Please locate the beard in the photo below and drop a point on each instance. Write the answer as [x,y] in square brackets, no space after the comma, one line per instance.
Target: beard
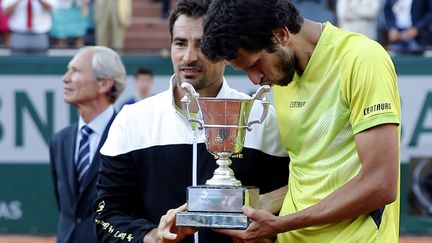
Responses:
[196,80]
[287,64]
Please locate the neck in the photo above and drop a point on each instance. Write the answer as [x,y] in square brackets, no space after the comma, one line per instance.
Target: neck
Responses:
[306,42]
[90,112]
[210,91]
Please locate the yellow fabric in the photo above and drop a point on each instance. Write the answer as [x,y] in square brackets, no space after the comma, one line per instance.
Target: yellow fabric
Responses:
[192,115]
[348,86]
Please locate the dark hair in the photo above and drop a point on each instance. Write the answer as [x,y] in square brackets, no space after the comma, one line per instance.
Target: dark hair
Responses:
[143,70]
[190,8]
[246,24]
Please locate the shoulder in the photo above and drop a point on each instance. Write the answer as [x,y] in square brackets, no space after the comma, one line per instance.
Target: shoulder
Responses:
[66,131]
[357,52]
[358,45]
[146,106]
[59,137]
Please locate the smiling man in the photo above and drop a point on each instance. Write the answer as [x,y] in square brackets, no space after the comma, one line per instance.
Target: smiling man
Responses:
[152,153]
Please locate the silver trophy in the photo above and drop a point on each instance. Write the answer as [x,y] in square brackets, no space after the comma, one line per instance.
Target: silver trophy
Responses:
[218,203]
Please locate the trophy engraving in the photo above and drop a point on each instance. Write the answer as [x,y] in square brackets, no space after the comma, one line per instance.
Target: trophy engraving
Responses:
[219,202]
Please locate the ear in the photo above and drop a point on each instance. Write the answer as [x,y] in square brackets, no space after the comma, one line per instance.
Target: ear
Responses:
[105,84]
[281,36]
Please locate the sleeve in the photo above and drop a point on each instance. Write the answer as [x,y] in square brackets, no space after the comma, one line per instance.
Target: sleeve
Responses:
[389,15]
[118,204]
[426,20]
[370,88]
[54,169]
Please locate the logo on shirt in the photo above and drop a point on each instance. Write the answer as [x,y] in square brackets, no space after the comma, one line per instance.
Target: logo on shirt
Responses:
[377,107]
[297,104]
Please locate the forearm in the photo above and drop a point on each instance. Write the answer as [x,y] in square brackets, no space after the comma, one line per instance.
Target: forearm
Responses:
[115,225]
[373,187]
[150,237]
[117,214]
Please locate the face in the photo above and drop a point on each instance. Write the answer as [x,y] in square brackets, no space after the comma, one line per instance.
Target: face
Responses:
[190,65]
[143,84]
[80,85]
[267,68]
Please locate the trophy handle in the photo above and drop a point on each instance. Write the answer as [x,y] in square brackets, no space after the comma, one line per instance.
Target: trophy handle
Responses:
[261,95]
[190,93]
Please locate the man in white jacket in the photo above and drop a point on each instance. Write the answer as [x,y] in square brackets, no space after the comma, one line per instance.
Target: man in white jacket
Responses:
[152,153]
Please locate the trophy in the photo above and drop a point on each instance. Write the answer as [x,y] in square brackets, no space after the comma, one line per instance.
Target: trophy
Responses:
[218,203]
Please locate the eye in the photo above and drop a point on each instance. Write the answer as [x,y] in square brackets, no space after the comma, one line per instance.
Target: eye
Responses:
[179,43]
[254,65]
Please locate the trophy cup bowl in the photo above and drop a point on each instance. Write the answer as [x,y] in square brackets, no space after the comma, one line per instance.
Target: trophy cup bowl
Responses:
[218,203]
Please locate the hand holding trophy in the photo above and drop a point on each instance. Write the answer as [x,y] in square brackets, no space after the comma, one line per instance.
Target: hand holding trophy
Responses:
[218,203]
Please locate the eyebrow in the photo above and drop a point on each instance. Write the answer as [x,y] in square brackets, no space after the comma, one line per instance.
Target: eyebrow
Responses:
[179,39]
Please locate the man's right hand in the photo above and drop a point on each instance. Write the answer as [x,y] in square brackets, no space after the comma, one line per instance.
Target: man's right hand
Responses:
[167,232]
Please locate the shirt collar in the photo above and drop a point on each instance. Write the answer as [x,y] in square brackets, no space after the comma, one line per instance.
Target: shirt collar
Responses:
[223,92]
[98,124]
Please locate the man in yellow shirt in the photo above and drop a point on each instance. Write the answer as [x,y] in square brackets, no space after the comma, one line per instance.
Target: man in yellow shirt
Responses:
[338,107]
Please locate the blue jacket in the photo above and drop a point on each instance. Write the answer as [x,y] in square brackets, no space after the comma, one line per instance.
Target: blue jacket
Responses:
[421,14]
[76,223]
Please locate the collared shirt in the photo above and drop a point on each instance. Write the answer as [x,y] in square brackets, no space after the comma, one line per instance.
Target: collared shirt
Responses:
[42,21]
[98,126]
[402,12]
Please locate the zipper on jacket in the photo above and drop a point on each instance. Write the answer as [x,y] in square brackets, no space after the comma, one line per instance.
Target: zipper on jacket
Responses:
[194,168]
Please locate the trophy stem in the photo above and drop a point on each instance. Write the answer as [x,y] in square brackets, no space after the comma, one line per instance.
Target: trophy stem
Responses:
[223,175]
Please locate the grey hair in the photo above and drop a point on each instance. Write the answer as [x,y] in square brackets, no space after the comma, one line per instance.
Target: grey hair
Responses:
[107,63]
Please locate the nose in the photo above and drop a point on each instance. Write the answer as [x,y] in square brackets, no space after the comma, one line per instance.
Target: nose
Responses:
[191,54]
[255,76]
[66,77]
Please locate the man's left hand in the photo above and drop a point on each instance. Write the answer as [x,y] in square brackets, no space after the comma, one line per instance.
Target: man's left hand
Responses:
[262,226]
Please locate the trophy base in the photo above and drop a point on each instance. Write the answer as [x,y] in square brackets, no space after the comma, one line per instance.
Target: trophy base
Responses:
[218,206]
[212,220]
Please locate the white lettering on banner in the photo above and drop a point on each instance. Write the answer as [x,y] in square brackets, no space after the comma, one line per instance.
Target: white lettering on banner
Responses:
[32,109]
[10,210]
